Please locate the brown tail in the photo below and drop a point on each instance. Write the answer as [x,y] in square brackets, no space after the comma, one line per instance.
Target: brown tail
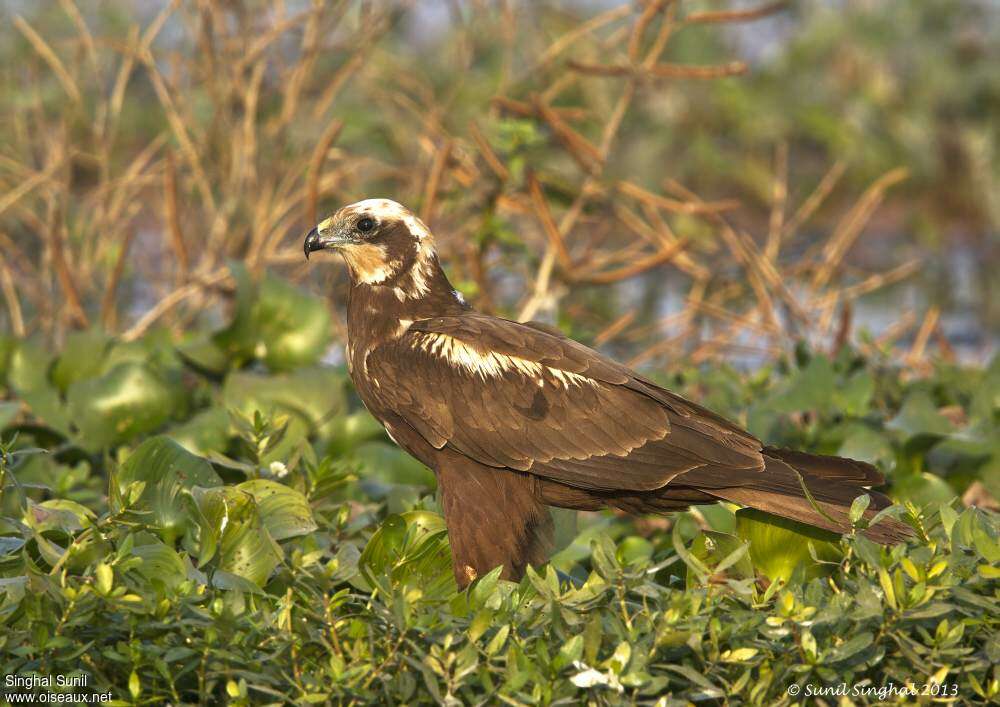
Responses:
[833,482]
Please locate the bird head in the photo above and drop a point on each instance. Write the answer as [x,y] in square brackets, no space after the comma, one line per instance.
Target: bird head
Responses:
[381,241]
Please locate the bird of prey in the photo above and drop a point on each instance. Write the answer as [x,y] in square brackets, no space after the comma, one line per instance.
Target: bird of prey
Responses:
[514,417]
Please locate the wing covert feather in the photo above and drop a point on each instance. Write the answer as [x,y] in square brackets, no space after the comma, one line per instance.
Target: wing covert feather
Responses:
[517,396]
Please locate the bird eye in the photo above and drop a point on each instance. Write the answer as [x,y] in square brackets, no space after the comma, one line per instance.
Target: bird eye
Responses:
[366,224]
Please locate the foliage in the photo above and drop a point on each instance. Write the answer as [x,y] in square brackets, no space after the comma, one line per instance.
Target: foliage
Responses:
[267,544]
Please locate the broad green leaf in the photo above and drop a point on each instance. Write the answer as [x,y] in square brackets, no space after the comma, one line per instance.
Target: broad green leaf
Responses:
[855,394]
[811,388]
[634,550]
[276,323]
[779,547]
[312,396]
[160,562]
[127,401]
[919,417]
[58,513]
[284,511]
[28,366]
[721,553]
[9,410]
[167,470]
[346,432]
[388,464]
[233,533]
[923,489]
[204,355]
[863,443]
[104,577]
[206,432]
[412,549]
[82,357]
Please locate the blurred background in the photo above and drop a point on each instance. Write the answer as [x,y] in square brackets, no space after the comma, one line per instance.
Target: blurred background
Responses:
[671,181]
[787,211]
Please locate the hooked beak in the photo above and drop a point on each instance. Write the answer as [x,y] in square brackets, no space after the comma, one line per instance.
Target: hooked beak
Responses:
[314,241]
[311,243]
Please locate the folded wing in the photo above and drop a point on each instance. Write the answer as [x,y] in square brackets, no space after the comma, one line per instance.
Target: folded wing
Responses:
[517,396]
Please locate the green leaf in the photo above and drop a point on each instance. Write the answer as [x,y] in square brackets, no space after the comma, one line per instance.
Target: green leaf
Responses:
[204,355]
[722,553]
[496,643]
[160,563]
[82,357]
[858,507]
[28,366]
[127,401]
[167,470]
[919,417]
[924,490]
[811,388]
[206,432]
[104,578]
[284,511]
[231,525]
[854,396]
[276,323]
[850,648]
[388,464]
[411,549]
[634,550]
[865,444]
[569,652]
[779,547]
[312,396]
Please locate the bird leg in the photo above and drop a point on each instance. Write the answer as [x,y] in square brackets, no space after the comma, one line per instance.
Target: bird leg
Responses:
[494,518]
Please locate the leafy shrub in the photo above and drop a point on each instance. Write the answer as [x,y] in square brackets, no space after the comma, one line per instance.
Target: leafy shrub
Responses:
[263,542]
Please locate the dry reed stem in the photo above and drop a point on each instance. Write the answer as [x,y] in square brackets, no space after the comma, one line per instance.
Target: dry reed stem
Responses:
[549,226]
[70,290]
[649,13]
[870,284]
[527,110]
[676,205]
[586,155]
[661,71]
[10,297]
[433,183]
[330,134]
[749,14]
[779,195]
[49,57]
[927,327]
[179,127]
[815,199]
[659,233]
[569,38]
[612,330]
[851,225]
[897,329]
[109,302]
[664,255]
[30,184]
[170,301]
[171,216]
[86,38]
[487,153]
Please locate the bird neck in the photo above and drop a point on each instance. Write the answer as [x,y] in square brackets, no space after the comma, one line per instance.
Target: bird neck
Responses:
[378,312]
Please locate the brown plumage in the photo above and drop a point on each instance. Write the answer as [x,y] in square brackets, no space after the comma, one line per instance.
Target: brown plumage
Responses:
[515,417]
